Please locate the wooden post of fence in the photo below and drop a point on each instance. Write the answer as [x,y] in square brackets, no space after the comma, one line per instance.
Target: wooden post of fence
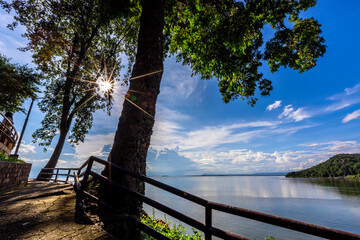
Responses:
[67,177]
[57,172]
[208,222]
[87,172]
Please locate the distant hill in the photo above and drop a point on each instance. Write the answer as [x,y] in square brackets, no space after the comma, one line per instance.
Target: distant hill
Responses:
[245,174]
[337,166]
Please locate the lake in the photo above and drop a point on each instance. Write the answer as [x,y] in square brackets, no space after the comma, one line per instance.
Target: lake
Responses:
[333,204]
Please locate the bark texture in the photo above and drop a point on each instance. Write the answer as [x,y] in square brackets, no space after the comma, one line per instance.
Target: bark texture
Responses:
[45,175]
[135,127]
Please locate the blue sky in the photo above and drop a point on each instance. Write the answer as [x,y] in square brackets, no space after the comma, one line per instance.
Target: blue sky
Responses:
[307,118]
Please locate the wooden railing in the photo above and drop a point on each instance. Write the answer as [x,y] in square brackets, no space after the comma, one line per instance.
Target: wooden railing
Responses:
[8,134]
[206,227]
[56,172]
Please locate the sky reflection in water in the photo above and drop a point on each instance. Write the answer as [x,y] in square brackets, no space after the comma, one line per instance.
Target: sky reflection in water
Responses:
[329,203]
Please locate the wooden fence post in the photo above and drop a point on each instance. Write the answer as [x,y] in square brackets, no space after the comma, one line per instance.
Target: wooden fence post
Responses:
[87,172]
[67,177]
[208,222]
[57,172]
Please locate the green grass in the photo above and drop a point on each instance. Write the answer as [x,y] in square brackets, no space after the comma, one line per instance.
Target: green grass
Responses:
[9,159]
[175,231]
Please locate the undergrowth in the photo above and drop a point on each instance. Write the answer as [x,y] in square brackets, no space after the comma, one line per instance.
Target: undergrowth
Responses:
[4,158]
[174,231]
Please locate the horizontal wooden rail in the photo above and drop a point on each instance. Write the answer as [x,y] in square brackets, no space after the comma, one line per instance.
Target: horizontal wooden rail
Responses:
[56,174]
[8,129]
[82,166]
[75,169]
[209,206]
[59,174]
[152,203]
[156,183]
[299,226]
[152,232]
[207,228]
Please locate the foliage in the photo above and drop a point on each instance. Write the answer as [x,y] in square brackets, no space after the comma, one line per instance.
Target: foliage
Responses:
[17,84]
[93,185]
[336,166]
[224,40]
[176,232]
[73,40]
[9,159]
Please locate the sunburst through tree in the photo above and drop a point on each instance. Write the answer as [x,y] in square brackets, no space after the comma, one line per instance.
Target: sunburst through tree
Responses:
[105,84]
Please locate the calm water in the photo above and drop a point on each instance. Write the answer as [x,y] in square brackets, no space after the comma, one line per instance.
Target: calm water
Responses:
[327,203]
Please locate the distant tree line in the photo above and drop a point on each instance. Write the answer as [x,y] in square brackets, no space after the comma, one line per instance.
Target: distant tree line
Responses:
[336,166]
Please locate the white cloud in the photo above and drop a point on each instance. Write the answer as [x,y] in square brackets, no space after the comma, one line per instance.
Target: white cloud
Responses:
[351,116]
[248,161]
[336,146]
[26,148]
[93,145]
[355,89]
[297,115]
[273,106]
[5,19]
[179,83]
[344,99]
[337,106]
[171,135]
[164,113]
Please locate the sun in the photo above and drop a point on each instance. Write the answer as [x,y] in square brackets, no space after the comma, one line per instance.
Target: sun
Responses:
[105,86]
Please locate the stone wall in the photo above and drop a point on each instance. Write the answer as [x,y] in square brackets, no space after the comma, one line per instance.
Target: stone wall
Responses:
[13,175]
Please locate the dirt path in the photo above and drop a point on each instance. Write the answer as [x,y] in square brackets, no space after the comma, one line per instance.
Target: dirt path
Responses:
[43,210]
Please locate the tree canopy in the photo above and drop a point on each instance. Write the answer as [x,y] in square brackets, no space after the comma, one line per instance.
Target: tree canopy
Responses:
[74,44]
[17,84]
[225,40]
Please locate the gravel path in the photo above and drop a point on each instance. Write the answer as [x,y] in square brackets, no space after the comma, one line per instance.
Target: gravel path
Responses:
[43,210]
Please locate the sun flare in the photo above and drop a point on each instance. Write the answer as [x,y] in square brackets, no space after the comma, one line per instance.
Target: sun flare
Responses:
[105,86]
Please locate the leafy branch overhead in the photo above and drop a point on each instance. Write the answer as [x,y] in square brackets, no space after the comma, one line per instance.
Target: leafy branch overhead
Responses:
[17,84]
[224,40]
[73,44]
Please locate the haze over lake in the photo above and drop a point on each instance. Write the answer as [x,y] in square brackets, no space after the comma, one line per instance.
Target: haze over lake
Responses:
[328,203]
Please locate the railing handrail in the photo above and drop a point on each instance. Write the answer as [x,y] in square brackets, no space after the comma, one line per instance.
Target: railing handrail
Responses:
[13,134]
[207,228]
[56,174]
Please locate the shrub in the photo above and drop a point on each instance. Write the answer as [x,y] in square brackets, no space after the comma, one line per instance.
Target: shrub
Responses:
[176,232]
[9,159]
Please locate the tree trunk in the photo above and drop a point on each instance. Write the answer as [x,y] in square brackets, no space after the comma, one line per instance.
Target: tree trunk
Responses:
[64,129]
[45,175]
[132,138]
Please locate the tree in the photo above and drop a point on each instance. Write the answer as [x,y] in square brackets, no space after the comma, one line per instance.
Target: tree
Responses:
[17,84]
[217,39]
[75,44]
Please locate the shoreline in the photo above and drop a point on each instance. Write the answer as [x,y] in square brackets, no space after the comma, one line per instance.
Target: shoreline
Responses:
[345,179]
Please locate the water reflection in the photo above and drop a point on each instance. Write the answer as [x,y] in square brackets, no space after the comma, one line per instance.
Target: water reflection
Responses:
[328,203]
[339,186]
[270,187]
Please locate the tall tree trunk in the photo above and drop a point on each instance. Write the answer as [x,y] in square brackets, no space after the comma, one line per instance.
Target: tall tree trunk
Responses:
[45,175]
[132,138]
